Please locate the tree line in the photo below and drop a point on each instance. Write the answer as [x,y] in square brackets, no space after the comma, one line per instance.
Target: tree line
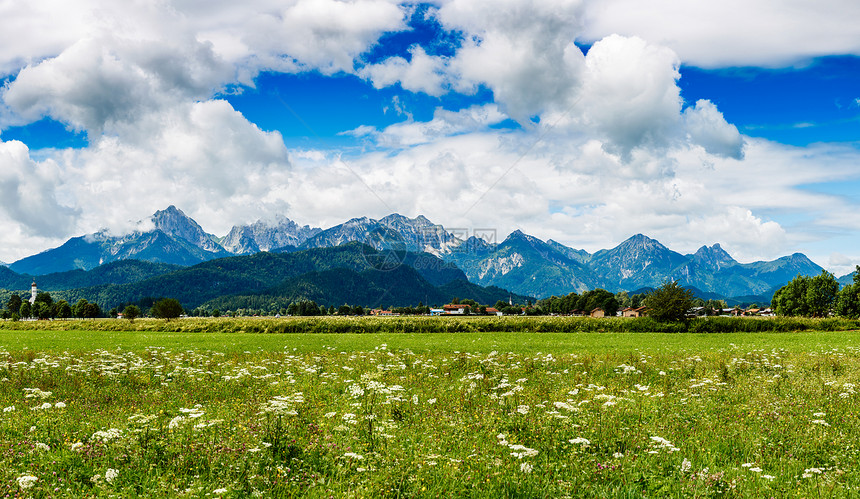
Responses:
[44,307]
[818,296]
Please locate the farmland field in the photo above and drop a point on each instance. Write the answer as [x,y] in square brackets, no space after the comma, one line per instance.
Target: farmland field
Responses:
[484,414]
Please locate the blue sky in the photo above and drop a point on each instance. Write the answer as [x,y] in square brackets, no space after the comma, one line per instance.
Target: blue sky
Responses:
[581,121]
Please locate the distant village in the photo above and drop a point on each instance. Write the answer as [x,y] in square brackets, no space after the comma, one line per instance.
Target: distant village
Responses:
[452,309]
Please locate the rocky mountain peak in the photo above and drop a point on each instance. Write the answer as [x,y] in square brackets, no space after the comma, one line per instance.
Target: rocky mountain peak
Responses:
[174,222]
[714,257]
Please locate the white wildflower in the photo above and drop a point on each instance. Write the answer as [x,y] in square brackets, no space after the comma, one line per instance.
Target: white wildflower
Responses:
[107,435]
[175,422]
[686,466]
[111,475]
[526,468]
[580,441]
[41,446]
[524,451]
[220,491]
[27,481]
[353,455]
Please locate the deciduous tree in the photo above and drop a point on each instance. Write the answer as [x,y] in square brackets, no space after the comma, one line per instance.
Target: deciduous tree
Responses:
[166,308]
[669,302]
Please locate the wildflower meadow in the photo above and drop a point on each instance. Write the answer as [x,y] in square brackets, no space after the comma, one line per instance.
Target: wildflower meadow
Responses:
[447,415]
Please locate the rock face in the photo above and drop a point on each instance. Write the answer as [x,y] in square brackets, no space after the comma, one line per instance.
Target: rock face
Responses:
[261,236]
[177,224]
[392,232]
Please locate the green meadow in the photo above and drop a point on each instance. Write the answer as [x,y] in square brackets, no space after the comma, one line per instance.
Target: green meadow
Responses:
[158,412]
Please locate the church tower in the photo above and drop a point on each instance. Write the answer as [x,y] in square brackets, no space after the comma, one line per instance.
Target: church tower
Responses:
[33,292]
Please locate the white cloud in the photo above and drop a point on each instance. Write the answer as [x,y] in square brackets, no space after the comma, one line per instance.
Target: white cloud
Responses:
[523,51]
[422,73]
[732,32]
[101,84]
[708,128]
[444,124]
[630,93]
[28,189]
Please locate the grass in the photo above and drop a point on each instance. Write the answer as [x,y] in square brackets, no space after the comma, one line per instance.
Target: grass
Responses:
[502,414]
[526,343]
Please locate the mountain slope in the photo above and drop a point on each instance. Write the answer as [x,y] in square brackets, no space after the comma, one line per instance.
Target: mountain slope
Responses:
[176,239]
[635,263]
[260,236]
[119,272]
[526,265]
[392,232]
[288,273]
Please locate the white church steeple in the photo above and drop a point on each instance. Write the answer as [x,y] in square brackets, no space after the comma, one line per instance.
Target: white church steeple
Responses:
[33,292]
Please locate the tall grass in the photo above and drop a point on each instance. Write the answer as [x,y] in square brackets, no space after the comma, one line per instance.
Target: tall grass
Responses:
[445,325]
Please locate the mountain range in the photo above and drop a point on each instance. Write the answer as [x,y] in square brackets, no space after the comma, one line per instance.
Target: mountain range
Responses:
[351,273]
[521,263]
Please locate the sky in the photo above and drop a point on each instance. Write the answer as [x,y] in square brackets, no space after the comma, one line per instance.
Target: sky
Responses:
[583,121]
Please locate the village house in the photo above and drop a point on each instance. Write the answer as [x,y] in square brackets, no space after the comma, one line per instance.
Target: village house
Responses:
[597,312]
[456,309]
[633,312]
[383,313]
[494,311]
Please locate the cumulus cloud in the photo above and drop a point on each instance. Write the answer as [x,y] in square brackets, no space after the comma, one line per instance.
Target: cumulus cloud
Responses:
[624,91]
[731,32]
[29,194]
[99,84]
[422,73]
[630,93]
[208,159]
[522,51]
[707,127]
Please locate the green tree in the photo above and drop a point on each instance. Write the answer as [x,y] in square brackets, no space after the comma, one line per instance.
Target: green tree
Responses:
[807,296]
[598,298]
[848,298]
[24,311]
[14,304]
[623,299]
[669,302]
[41,310]
[62,309]
[131,312]
[166,308]
[80,308]
[44,297]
